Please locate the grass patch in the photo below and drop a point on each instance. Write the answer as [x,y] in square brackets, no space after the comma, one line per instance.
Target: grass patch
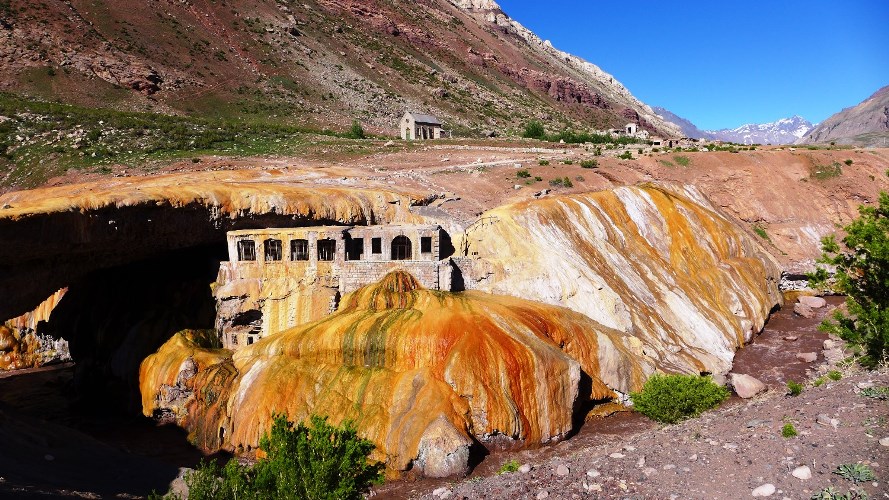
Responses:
[666,163]
[671,398]
[761,232]
[788,431]
[857,473]
[824,172]
[682,160]
[589,164]
[794,388]
[834,375]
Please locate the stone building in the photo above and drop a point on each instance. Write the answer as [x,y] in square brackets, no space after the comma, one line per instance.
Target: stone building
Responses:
[280,278]
[416,126]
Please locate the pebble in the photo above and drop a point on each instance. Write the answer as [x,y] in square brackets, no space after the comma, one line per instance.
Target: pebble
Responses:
[791,338]
[617,455]
[803,472]
[765,490]
[669,466]
[829,344]
[713,442]
[865,385]
[884,441]
[629,448]
[592,487]
[640,463]
[542,494]
[593,473]
[649,471]
[824,419]
[807,357]
[48,457]
[693,458]
[562,470]
[525,468]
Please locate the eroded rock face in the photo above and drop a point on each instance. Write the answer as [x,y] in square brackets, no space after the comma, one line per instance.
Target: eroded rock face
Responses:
[657,263]
[420,371]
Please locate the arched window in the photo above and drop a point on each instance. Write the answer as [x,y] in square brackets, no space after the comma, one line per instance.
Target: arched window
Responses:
[401,248]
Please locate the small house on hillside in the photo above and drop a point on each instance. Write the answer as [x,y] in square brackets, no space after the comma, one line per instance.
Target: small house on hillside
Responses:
[419,126]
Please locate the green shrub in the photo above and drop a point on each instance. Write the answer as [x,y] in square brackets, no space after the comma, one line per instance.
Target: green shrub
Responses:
[538,178]
[794,388]
[543,162]
[589,164]
[862,274]
[848,162]
[555,182]
[318,461]
[523,174]
[510,466]
[626,155]
[834,375]
[357,131]
[671,398]
[568,162]
[534,130]
[857,472]
[788,430]
[819,382]
[881,393]
[830,493]
[682,160]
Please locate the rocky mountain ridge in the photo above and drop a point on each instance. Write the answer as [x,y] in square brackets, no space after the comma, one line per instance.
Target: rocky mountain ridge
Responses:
[783,131]
[865,124]
[318,63]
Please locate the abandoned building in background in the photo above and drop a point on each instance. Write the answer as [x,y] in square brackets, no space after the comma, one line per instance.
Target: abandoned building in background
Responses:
[417,126]
[276,279]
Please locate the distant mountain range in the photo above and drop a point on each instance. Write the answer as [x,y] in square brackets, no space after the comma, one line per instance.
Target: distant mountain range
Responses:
[866,124]
[783,131]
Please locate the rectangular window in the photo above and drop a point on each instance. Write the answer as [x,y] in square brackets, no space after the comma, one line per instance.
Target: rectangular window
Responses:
[426,244]
[246,250]
[326,249]
[299,250]
[376,245]
[273,250]
[355,249]
[234,339]
[249,339]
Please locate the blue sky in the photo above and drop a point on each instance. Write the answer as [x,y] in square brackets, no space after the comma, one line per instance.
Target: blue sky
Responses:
[723,64]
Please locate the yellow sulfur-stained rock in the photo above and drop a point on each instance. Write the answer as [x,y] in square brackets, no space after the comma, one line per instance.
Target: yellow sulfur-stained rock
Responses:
[419,371]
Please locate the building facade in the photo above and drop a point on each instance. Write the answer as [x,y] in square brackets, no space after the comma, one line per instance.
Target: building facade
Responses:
[276,279]
[417,126]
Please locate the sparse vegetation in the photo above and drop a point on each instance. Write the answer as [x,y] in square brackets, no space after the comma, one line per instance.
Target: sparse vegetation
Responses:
[626,155]
[834,375]
[857,472]
[761,232]
[589,164]
[848,162]
[830,493]
[543,163]
[788,431]
[315,461]
[794,388]
[671,398]
[510,466]
[862,274]
[881,393]
[356,131]
[523,174]
[824,172]
[682,160]
[534,130]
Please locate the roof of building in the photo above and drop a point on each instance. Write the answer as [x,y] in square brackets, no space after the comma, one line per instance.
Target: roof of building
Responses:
[421,118]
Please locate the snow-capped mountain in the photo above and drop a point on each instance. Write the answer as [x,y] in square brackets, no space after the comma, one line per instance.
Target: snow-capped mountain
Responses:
[783,131]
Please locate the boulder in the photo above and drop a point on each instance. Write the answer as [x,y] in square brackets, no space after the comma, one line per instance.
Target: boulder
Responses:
[803,310]
[746,386]
[812,302]
[444,451]
[765,490]
[807,357]
[802,472]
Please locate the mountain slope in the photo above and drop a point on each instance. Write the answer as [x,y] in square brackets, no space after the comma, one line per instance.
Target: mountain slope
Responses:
[317,63]
[688,128]
[783,131]
[866,124]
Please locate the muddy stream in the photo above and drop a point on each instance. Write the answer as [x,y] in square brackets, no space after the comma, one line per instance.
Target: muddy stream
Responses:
[61,445]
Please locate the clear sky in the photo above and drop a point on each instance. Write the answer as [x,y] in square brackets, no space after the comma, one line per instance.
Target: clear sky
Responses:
[722,64]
